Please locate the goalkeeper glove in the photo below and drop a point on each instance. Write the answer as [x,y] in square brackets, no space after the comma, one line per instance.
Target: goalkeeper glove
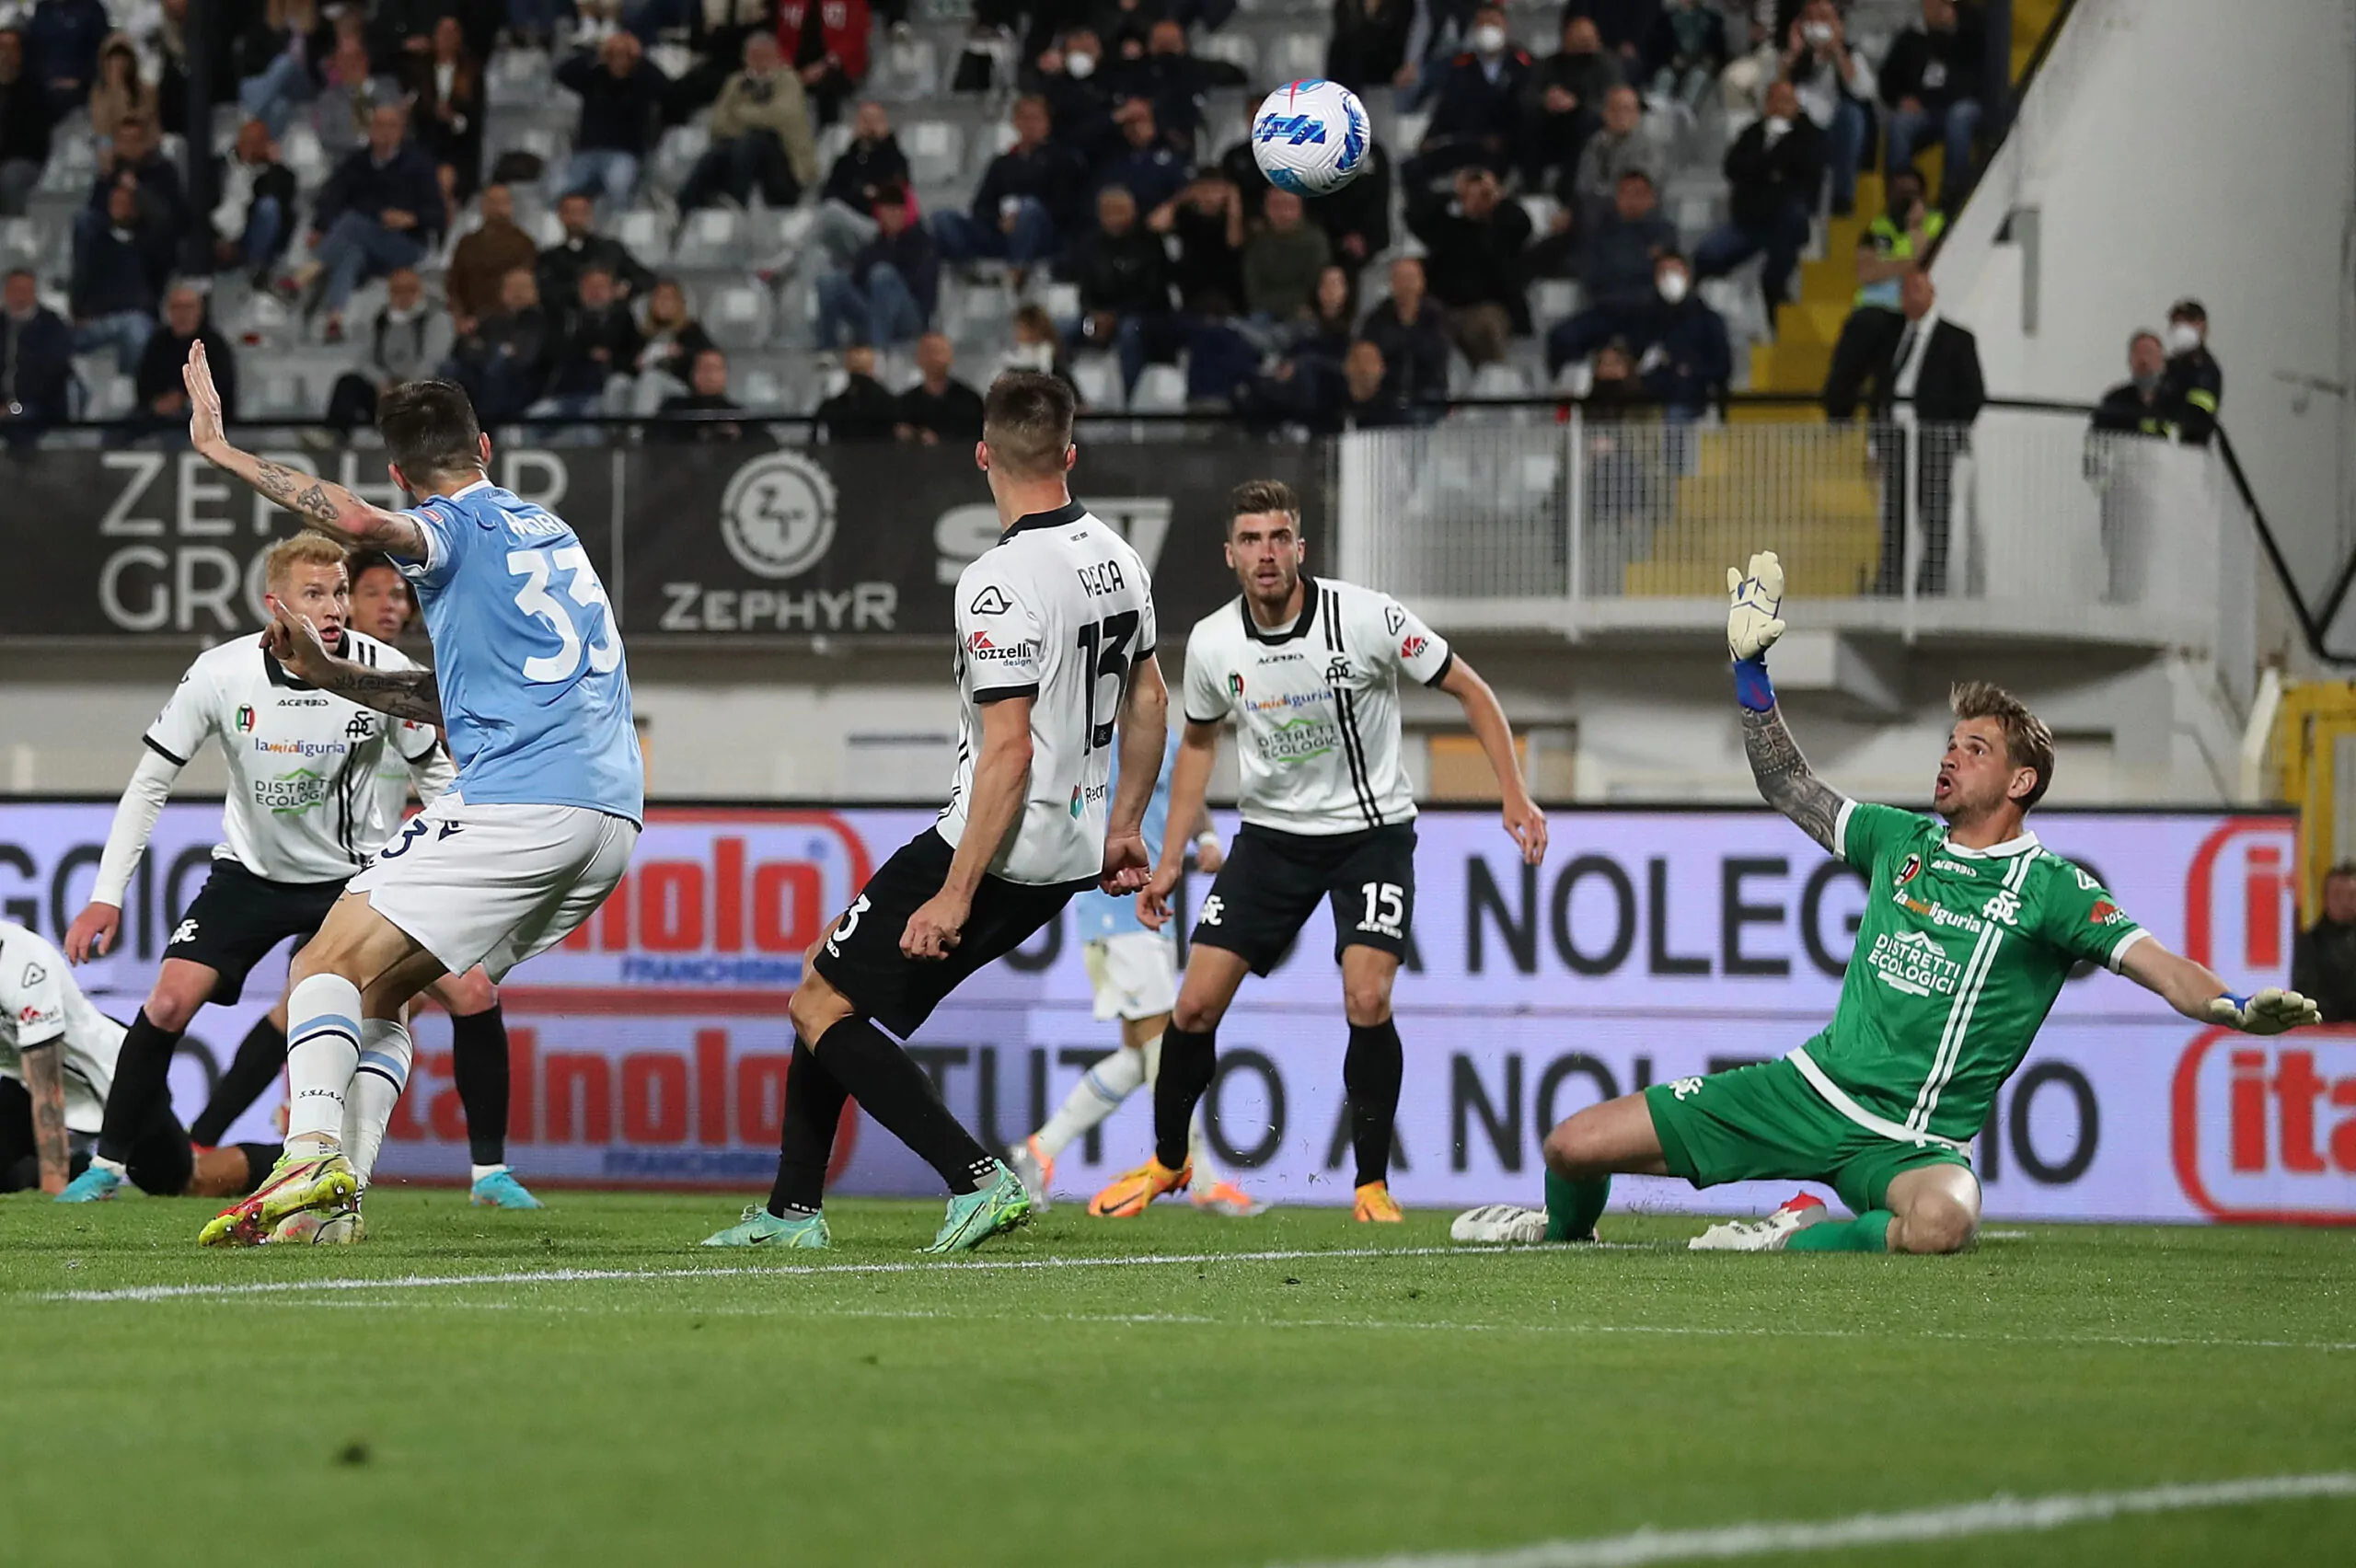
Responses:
[1754,602]
[2270,1011]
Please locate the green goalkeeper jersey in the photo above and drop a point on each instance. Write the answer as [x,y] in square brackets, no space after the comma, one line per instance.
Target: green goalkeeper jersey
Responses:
[1960,954]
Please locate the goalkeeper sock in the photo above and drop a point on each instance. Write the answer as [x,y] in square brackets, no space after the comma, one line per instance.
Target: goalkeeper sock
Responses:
[1572,1207]
[1098,1094]
[1869,1232]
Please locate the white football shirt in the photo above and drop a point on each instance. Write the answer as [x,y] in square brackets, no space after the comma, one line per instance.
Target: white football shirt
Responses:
[304,802]
[39,1004]
[1059,610]
[1316,706]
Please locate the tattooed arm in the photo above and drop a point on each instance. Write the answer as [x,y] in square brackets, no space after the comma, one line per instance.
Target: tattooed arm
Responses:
[414,695]
[1786,780]
[329,508]
[44,1069]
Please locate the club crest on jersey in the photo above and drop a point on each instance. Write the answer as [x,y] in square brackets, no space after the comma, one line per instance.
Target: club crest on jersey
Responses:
[1340,672]
[1235,685]
[1910,871]
[246,719]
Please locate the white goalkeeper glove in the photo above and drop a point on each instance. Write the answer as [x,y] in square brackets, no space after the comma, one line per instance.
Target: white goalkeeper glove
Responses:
[1755,599]
[2270,1011]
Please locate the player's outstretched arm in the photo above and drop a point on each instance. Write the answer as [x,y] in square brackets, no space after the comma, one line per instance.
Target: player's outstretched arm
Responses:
[92,934]
[1524,821]
[1190,778]
[1785,782]
[329,508]
[2199,993]
[44,1067]
[1001,778]
[294,642]
[1145,724]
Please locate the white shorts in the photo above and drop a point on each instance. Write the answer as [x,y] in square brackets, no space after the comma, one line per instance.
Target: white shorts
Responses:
[1135,975]
[494,885]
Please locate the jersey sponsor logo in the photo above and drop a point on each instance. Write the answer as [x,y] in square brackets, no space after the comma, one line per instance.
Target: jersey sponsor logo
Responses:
[990,601]
[1264,660]
[2105,913]
[304,702]
[1913,962]
[245,719]
[1394,620]
[1084,796]
[776,516]
[299,748]
[2263,1132]
[28,1014]
[1298,739]
[1214,910]
[290,794]
[980,647]
[1954,868]
[1413,646]
[1938,914]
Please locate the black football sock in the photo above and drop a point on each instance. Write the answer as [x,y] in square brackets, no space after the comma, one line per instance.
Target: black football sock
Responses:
[1371,1071]
[1188,1060]
[814,1109]
[142,1089]
[891,1087]
[260,1057]
[478,1062]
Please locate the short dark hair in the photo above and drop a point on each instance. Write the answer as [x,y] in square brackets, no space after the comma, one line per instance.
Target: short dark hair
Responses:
[2189,310]
[2027,743]
[430,429]
[1253,497]
[2341,868]
[1026,423]
[360,562]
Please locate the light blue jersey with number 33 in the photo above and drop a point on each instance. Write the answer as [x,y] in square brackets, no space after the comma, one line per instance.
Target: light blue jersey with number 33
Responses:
[535,690]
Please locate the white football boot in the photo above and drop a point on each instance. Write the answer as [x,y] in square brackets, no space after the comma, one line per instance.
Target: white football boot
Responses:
[1769,1235]
[1500,1223]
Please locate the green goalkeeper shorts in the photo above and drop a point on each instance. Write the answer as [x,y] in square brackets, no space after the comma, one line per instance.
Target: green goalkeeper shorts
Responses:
[1765,1122]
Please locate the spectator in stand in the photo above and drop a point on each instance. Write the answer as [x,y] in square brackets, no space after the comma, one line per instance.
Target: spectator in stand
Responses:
[256,213]
[1037,346]
[708,393]
[1434,39]
[1626,141]
[1147,166]
[161,33]
[24,125]
[560,264]
[1221,362]
[495,249]
[1207,220]
[1931,81]
[1240,168]
[154,180]
[622,94]
[2195,380]
[2142,404]
[1307,383]
[1565,103]
[533,22]
[119,95]
[1888,249]
[669,339]
[761,138]
[409,340]
[887,295]
[398,30]
[158,388]
[863,409]
[119,265]
[1618,261]
[1325,336]
[825,42]
[1173,79]
[1773,172]
[939,409]
[282,53]
[1473,248]
[1123,278]
[1357,218]
[349,96]
[446,83]
[1367,46]
[1685,356]
[62,37]
[1685,49]
[845,218]
[1412,335]
[1368,401]
[1074,79]
[381,209]
[505,360]
[1025,203]
[1478,117]
[2323,957]
[1835,87]
[717,32]
[594,353]
[36,361]
[1282,261]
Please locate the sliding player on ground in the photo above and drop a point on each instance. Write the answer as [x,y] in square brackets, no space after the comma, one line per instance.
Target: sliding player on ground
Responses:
[1054,660]
[382,606]
[1969,931]
[1309,670]
[534,691]
[1134,973]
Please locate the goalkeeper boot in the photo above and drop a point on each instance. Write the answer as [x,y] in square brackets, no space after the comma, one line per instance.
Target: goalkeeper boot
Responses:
[96,1185]
[1769,1235]
[1377,1206]
[1034,1167]
[759,1228]
[1497,1224]
[1227,1198]
[500,1190]
[297,1182]
[1129,1191]
[973,1217]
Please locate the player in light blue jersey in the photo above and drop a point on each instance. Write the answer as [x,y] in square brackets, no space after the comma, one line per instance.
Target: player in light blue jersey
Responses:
[1134,972]
[533,690]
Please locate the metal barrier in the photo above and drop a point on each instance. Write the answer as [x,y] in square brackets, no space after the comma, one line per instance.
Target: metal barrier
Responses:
[2023,524]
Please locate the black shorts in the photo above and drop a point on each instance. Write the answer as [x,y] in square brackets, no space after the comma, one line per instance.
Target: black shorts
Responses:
[237,918]
[160,1165]
[862,956]
[1272,881]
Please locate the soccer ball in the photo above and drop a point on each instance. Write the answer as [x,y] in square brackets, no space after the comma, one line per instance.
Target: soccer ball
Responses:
[1312,137]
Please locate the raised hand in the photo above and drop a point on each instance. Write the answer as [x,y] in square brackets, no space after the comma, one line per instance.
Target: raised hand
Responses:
[1755,603]
[205,424]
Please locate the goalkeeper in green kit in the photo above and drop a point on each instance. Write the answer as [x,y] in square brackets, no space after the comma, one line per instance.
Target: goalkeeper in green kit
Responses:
[1970,928]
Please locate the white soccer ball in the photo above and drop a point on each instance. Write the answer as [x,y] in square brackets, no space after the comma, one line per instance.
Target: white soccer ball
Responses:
[1311,138]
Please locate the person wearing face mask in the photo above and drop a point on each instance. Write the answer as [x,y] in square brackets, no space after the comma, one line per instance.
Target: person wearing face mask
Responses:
[1478,119]
[1078,92]
[1773,170]
[1836,89]
[2195,381]
[1173,79]
[1680,346]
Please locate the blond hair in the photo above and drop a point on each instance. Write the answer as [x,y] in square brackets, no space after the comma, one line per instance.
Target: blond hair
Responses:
[303,549]
[2027,743]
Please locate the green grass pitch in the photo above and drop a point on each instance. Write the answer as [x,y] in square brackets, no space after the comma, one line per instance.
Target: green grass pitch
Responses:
[1181,1392]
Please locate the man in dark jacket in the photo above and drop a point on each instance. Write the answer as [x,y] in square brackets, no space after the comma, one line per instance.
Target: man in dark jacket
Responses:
[382,208]
[561,264]
[119,265]
[62,39]
[1773,172]
[1025,204]
[940,410]
[1147,166]
[887,295]
[1408,329]
[598,342]
[1173,79]
[2323,957]
[505,360]
[36,359]
[255,214]
[1124,277]
[1677,343]
[1563,103]
[1474,246]
[1617,260]
[845,216]
[621,107]
[1478,119]
[709,380]
[137,159]
[24,125]
[2142,404]
[863,409]
[2196,383]
[1931,80]
[162,393]
[1357,218]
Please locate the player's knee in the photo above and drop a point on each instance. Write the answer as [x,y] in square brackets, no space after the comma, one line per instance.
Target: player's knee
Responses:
[816,1008]
[1570,1152]
[468,994]
[171,1006]
[1365,1002]
[1934,1224]
[1194,1015]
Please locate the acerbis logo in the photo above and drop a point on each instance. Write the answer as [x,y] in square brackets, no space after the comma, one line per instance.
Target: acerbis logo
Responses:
[2265,1130]
[777,515]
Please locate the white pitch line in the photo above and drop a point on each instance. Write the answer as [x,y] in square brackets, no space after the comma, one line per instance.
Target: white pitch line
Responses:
[1996,1515]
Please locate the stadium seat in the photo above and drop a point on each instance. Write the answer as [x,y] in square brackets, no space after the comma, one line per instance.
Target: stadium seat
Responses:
[739,318]
[712,237]
[1234,48]
[1296,55]
[1552,299]
[1160,389]
[1098,376]
[935,149]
